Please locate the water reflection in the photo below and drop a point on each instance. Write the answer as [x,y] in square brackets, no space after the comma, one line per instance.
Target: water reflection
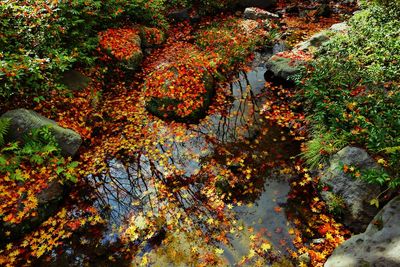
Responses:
[186,178]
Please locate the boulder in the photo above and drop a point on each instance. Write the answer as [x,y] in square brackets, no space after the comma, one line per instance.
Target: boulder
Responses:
[379,245]
[355,193]
[340,27]
[23,121]
[171,105]
[316,41]
[48,202]
[255,13]
[123,45]
[179,14]
[257,3]
[151,37]
[74,80]
[284,67]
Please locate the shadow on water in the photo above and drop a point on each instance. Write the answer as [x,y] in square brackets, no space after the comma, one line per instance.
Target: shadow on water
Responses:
[232,140]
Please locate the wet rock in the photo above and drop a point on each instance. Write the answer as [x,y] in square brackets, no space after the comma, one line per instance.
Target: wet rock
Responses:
[23,121]
[304,258]
[48,200]
[284,67]
[279,47]
[74,80]
[318,241]
[355,193]
[257,3]
[379,245]
[151,37]
[255,13]
[179,15]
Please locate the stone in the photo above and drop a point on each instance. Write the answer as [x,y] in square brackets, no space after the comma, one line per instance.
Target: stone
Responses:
[179,15]
[74,80]
[151,37]
[304,258]
[340,27]
[158,105]
[316,41]
[279,47]
[379,245]
[48,201]
[257,3]
[22,121]
[355,193]
[284,67]
[127,52]
[255,13]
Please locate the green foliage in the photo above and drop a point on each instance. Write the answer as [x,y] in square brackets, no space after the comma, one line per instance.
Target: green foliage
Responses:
[375,176]
[385,3]
[353,88]
[335,203]
[40,40]
[212,6]
[321,146]
[4,126]
[40,149]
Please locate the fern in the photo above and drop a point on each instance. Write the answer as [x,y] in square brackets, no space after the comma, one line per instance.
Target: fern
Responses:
[4,125]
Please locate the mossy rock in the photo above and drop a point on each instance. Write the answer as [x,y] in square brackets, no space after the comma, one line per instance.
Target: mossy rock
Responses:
[158,105]
[151,37]
[23,121]
[284,67]
[123,45]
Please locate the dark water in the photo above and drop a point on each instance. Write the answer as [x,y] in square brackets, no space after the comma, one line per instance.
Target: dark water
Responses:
[239,131]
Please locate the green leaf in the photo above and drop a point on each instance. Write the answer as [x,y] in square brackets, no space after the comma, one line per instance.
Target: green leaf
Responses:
[375,202]
[59,170]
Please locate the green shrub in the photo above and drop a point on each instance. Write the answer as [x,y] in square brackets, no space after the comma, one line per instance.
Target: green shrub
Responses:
[40,40]
[353,87]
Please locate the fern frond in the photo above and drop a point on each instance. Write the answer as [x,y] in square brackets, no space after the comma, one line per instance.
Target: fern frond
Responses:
[4,126]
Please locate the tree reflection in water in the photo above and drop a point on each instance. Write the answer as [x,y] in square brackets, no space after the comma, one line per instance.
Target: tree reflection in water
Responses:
[198,172]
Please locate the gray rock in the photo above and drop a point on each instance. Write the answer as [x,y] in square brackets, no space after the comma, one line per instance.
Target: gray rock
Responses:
[23,121]
[74,80]
[339,27]
[304,258]
[283,67]
[355,193]
[379,245]
[279,47]
[180,14]
[315,41]
[258,13]
[257,3]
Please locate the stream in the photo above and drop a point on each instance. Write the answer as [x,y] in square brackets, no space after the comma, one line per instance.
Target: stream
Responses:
[234,131]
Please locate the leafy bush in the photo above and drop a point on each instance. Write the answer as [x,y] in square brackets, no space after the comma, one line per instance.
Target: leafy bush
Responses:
[353,88]
[41,40]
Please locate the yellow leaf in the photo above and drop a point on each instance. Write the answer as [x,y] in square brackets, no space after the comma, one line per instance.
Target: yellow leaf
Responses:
[266,246]
[219,251]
